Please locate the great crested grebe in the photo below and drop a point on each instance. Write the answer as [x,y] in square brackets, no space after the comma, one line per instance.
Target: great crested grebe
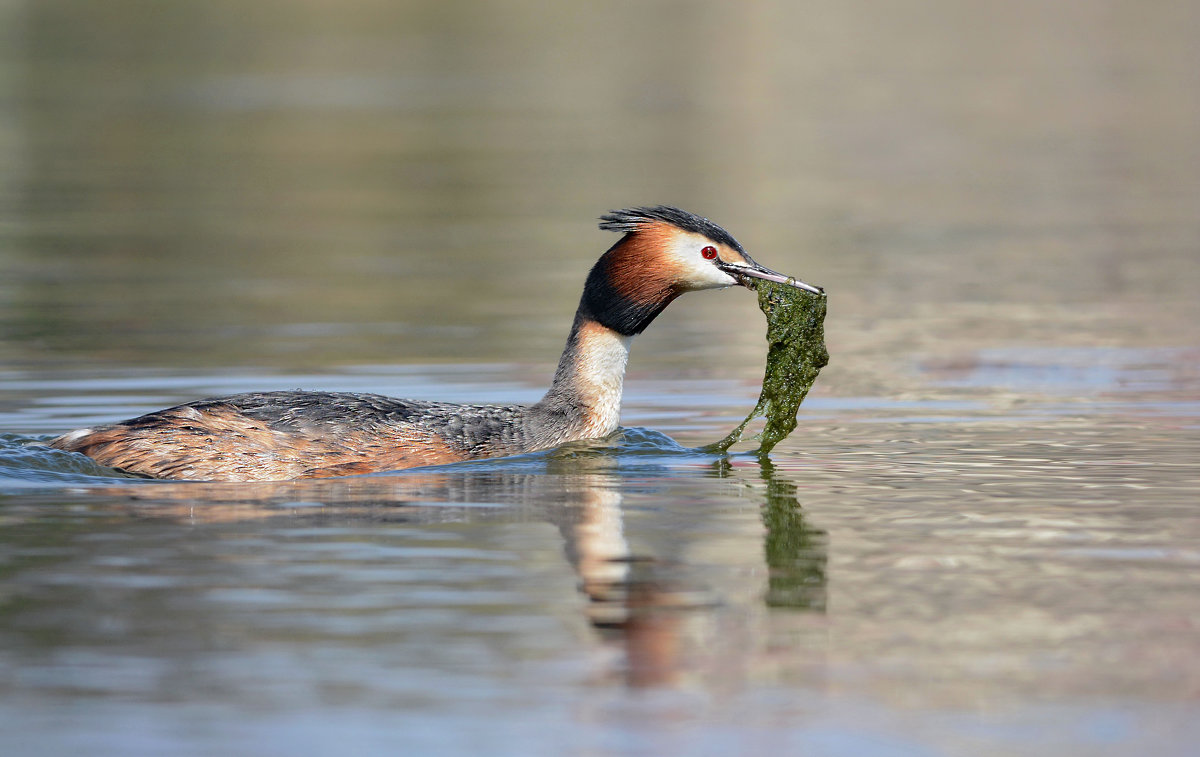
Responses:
[264,436]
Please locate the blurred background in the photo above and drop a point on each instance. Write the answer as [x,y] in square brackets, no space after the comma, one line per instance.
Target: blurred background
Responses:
[286,185]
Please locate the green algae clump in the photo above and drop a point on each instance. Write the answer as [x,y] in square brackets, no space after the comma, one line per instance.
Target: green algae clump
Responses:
[795,355]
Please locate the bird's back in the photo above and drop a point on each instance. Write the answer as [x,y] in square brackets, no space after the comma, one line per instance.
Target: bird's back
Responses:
[282,435]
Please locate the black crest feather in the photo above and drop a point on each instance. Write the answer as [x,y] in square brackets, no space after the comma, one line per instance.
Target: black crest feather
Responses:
[631,220]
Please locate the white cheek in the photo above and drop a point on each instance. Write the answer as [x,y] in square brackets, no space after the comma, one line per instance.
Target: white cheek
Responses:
[697,272]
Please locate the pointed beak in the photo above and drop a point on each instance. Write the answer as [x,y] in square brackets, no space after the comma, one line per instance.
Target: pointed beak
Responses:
[755,271]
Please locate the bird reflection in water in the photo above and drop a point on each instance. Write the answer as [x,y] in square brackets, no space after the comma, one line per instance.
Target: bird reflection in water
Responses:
[643,602]
[653,609]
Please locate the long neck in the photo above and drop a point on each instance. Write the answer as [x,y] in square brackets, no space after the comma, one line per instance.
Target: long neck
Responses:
[585,399]
[620,298]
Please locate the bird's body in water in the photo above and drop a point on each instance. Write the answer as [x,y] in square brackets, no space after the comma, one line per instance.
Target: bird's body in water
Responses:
[663,253]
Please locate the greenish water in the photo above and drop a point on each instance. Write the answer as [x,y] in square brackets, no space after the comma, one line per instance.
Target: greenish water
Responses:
[980,540]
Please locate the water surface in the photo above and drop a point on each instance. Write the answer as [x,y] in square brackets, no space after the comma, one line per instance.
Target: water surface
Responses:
[981,540]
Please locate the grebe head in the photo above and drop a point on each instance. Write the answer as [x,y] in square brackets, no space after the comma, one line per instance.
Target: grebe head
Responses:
[690,250]
[664,253]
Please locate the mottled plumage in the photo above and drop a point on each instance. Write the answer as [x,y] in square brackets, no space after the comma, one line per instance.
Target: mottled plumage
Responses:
[294,434]
[284,435]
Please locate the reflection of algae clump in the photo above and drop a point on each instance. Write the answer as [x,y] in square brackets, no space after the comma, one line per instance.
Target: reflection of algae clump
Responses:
[795,355]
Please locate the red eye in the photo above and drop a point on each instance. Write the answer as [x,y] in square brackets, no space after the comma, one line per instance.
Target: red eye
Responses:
[709,252]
